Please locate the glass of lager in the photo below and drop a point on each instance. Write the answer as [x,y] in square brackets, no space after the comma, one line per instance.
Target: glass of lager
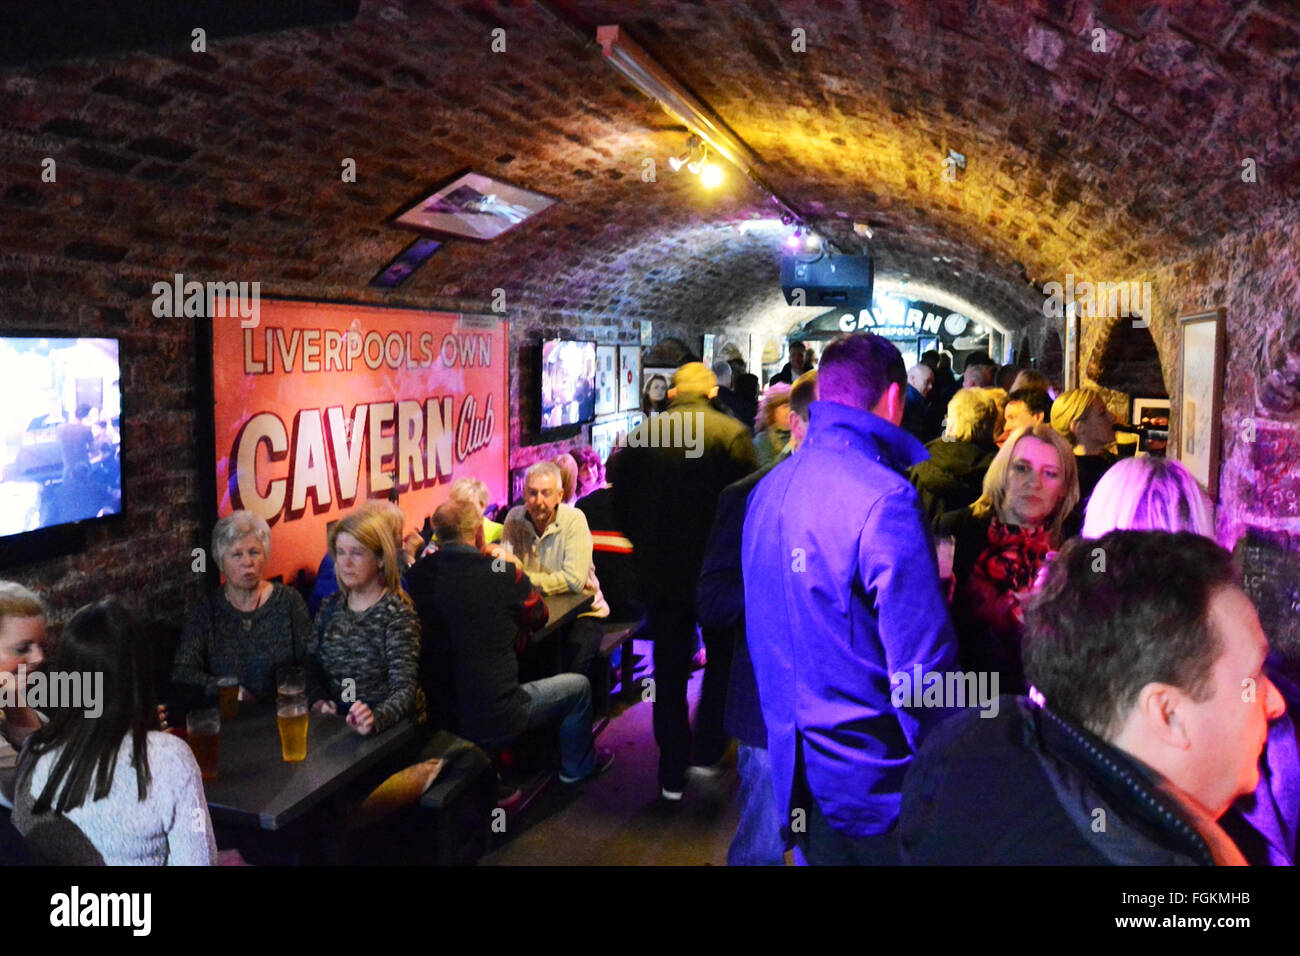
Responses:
[291,680]
[203,730]
[228,697]
[291,716]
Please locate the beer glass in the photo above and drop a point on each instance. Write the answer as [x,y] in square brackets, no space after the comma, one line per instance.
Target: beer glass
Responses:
[291,680]
[291,717]
[228,697]
[203,730]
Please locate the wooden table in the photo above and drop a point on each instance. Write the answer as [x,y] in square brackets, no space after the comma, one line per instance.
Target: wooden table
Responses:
[563,608]
[255,787]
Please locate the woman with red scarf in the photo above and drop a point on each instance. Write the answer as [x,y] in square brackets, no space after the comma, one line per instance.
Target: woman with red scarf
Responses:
[1002,540]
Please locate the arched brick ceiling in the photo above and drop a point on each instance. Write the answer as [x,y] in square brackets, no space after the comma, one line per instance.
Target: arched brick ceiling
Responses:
[1095,163]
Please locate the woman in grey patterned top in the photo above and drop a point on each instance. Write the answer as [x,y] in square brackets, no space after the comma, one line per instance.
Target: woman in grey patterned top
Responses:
[368,652]
[250,626]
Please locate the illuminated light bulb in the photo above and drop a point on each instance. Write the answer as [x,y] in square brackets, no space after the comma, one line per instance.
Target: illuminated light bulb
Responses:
[710,175]
[812,242]
[792,241]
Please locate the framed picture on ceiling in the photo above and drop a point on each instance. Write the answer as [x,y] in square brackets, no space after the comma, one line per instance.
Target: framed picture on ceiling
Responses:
[606,379]
[472,206]
[407,261]
[1200,396]
[629,378]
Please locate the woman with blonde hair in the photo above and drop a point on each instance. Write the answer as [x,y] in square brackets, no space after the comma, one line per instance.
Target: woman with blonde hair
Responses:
[1148,494]
[953,475]
[368,652]
[772,424]
[1081,417]
[1024,514]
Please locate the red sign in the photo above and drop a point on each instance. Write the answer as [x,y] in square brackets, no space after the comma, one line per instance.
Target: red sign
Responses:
[321,407]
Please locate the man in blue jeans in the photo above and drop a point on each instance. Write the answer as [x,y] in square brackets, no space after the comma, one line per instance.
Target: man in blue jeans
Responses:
[476,610]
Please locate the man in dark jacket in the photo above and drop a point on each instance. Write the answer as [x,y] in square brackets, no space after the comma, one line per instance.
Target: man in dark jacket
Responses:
[722,605]
[1150,710]
[953,475]
[666,484]
[475,611]
[841,594]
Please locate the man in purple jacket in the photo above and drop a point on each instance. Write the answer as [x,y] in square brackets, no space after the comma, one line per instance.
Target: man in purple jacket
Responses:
[842,594]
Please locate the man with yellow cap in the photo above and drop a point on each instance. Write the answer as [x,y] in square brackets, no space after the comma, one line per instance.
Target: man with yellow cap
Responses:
[666,485]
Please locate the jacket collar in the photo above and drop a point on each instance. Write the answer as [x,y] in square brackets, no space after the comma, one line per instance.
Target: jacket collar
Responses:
[832,424]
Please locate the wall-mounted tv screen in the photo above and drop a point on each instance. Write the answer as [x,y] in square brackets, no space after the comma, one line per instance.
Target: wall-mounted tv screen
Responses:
[568,382]
[60,423]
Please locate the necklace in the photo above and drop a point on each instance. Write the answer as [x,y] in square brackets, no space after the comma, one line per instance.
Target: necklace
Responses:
[248,615]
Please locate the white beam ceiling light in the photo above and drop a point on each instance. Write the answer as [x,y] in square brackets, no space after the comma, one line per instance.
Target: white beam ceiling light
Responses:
[657,83]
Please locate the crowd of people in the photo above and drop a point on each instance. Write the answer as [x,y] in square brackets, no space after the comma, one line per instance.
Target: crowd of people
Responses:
[942,620]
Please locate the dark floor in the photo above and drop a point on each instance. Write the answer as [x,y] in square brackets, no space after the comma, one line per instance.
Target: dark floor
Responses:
[618,819]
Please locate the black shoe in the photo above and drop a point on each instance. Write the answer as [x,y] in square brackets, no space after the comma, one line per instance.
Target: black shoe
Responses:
[604,758]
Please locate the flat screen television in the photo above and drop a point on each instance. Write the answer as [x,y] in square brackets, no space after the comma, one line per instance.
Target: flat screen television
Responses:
[60,439]
[568,384]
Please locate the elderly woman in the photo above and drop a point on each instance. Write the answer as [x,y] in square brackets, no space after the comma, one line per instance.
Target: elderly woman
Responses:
[367,656]
[249,626]
[953,476]
[772,424]
[1002,540]
[1081,417]
[476,493]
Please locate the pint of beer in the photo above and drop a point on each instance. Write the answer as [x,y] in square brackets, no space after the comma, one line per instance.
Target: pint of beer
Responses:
[228,697]
[203,730]
[291,716]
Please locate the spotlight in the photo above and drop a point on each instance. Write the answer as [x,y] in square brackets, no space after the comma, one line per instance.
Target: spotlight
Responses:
[677,162]
[792,240]
[811,242]
[711,175]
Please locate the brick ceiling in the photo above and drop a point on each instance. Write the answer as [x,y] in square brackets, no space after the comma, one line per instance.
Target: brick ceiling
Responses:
[1099,163]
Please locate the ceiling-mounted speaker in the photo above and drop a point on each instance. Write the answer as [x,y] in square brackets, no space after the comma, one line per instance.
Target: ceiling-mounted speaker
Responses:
[827,282]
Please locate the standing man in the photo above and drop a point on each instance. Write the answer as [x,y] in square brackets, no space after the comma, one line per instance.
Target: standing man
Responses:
[801,360]
[553,543]
[666,485]
[920,380]
[837,601]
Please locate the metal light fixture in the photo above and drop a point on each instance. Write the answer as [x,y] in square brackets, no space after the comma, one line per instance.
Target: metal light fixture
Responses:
[655,82]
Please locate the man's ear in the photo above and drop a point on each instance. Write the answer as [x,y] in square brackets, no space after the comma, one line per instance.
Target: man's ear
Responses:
[1158,708]
[891,403]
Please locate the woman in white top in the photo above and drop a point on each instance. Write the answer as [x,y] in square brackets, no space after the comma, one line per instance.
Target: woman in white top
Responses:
[98,783]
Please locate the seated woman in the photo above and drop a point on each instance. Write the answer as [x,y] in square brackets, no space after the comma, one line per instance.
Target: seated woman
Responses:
[476,493]
[108,787]
[248,627]
[953,476]
[366,660]
[22,650]
[591,472]
[1001,541]
[772,424]
[1081,417]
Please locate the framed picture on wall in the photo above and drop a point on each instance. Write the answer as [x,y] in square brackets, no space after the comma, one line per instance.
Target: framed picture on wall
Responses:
[1152,416]
[605,435]
[606,379]
[629,378]
[706,348]
[1200,396]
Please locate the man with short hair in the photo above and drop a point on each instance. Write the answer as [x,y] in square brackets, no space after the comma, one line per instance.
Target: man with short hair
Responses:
[1149,710]
[1026,406]
[841,592]
[920,380]
[721,599]
[801,360]
[666,484]
[474,608]
[980,371]
[553,543]
[728,399]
